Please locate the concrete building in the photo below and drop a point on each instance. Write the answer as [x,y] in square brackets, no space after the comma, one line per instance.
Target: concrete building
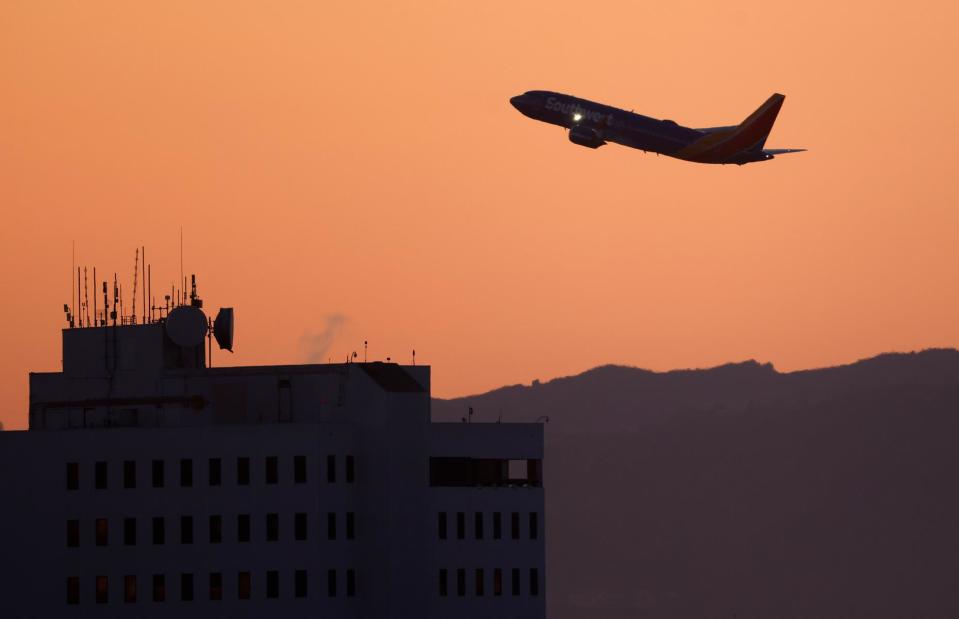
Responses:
[149,485]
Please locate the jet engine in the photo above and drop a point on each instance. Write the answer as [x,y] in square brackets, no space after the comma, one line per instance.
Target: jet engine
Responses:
[584,136]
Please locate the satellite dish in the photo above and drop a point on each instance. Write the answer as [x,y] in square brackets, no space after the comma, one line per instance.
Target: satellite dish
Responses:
[186,326]
[223,328]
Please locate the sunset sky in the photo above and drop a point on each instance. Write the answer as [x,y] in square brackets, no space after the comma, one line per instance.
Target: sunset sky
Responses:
[359,167]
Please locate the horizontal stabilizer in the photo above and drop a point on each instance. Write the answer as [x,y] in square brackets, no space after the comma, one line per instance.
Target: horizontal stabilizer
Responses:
[782,151]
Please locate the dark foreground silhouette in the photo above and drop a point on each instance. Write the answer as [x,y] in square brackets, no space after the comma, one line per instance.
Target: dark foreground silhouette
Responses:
[829,493]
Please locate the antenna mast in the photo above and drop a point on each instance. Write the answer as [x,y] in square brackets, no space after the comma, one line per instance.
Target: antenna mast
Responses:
[136,269]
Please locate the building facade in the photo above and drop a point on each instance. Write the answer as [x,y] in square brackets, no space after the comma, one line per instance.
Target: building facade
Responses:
[150,484]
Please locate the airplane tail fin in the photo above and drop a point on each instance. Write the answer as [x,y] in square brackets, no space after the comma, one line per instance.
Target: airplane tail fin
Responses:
[753,131]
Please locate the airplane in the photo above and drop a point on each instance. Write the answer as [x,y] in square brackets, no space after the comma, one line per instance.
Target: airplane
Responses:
[593,124]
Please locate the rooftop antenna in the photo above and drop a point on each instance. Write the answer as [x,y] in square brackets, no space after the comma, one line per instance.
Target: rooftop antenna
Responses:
[78,311]
[414,356]
[182,279]
[86,297]
[143,262]
[73,265]
[106,305]
[96,317]
[120,292]
[150,290]
[364,350]
[136,269]
[116,300]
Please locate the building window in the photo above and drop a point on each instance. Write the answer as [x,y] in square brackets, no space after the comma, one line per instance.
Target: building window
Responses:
[272,584]
[73,590]
[103,589]
[515,581]
[186,587]
[533,581]
[299,583]
[441,525]
[460,582]
[533,525]
[129,531]
[159,588]
[157,473]
[216,586]
[350,474]
[129,474]
[243,585]
[73,477]
[214,472]
[216,529]
[460,525]
[330,469]
[331,583]
[272,472]
[186,473]
[102,531]
[129,589]
[479,581]
[73,533]
[350,525]
[243,528]
[331,525]
[299,469]
[497,581]
[350,583]
[159,531]
[100,475]
[186,529]
[299,526]
[443,577]
[272,527]
[243,471]
[497,525]
[515,524]
[478,525]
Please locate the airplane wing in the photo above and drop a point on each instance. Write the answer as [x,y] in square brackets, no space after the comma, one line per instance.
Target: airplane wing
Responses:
[782,151]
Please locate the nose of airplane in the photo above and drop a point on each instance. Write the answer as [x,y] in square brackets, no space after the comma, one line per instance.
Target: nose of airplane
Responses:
[517,102]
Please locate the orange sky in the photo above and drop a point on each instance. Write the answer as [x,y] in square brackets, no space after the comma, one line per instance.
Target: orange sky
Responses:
[333,159]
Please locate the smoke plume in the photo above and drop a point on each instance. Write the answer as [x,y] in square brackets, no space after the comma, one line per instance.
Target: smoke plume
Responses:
[317,345]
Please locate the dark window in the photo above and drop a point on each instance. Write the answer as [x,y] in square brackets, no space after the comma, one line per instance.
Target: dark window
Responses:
[73,483]
[350,583]
[243,585]
[515,524]
[157,473]
[243,528]
[186,529]
[102,531]
[299,583]
[159,587]
[243,472]
[299,526]
[331,583]
[479,582]
[272,472]
[73,533]
[478,525]
[350,525]
[460,582]
[460,525]
[272,584]
[533,581]
[214,472]
[330,469]
[515,581]
[299,469]
[129,474]
[186,472]
[216,529]
[129,531]
[331,525]
[103,589]
[159,530]
[129,589]
[272,527]
[73,590]
[350,475]
[443,578]
[497,525]
[216,586]
[533,525]
[497,581]
[441,525]
[100,476]
[186,587]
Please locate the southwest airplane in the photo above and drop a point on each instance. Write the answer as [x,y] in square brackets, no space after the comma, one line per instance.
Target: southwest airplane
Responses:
[594,124]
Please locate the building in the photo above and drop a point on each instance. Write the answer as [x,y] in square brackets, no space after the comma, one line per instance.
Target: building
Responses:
[149,484]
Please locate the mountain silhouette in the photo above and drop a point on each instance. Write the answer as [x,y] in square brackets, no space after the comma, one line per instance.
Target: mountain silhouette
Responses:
[740,490]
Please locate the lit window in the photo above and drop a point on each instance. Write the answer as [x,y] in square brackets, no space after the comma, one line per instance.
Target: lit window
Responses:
[129,589]
[103,589]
